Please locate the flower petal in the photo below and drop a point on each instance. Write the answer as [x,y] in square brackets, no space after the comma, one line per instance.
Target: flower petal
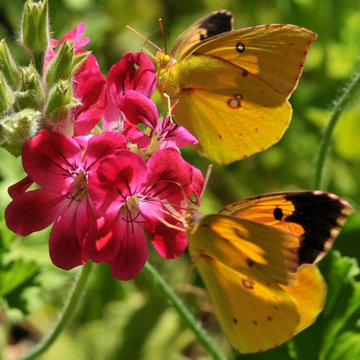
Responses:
[173,135]
[101,145]
[90,89]
[51,160]
[170,176]
[64,245]
[20,187]
[118,176]
[34,211]
[135,71]
[101,244]
[169,242]
[132,253]
[138,108]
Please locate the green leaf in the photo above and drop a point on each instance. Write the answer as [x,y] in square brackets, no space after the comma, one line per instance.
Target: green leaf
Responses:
[16,274]
[6,237]
[347,347]
[340,314]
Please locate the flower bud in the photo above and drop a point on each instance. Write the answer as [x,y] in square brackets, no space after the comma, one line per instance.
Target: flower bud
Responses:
[7,96]
[64,63]
[17,128]
[34,34]
[60,101]
[32,94]
[8,65]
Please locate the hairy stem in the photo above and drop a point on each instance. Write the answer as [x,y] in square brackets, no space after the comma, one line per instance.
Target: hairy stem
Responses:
[65,315]
[183,311]
[339,106]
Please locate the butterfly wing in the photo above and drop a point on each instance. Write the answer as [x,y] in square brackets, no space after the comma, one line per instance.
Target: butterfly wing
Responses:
[213,24]
[315,216]
[230,126]
[309,292]
[237,83]
[253,258]
[234,259]
[274,53]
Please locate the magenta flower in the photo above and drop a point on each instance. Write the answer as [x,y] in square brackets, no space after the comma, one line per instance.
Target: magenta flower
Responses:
[130,84]
[133,195]
[61,166]
[133,75]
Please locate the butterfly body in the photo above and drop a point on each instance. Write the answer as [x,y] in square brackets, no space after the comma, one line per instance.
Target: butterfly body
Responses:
[256,258]
[231,87]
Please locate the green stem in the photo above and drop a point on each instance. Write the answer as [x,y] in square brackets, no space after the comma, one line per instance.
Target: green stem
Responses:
[325,143]
[65,316]
[183,311]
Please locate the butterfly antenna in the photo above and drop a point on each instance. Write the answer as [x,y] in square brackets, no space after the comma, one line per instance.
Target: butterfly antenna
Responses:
[144,37]
[163,34]
[148,53]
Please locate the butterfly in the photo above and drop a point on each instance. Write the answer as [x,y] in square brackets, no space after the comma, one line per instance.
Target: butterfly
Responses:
[230,88]
[256,258]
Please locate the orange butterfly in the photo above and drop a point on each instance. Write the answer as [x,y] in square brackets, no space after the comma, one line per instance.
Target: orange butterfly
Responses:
[256,258]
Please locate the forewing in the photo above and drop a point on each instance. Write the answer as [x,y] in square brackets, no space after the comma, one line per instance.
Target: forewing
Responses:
[274,53]
[213,24]
[315,216]
[245,244]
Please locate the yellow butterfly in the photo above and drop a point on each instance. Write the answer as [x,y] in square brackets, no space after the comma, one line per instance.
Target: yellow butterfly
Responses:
[256,258]
[230,87]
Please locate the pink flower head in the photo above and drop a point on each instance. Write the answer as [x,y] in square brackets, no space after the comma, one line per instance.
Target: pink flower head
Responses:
[130,85]
[62,167]
[132,195]
[132,77]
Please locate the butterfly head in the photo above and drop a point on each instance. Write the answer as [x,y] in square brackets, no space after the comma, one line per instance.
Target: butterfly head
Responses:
[163,59]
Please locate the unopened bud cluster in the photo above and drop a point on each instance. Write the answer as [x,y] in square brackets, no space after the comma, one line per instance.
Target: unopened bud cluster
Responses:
[39,95]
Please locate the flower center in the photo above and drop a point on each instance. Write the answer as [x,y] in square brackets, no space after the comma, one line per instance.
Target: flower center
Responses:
[132,204]
[79,190]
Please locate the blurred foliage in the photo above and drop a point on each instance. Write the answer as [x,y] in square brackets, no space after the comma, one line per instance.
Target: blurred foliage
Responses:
[131,320]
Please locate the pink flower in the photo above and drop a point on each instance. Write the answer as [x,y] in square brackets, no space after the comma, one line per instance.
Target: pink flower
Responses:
[133,195]
[133,76]
[62,167]
[130,85]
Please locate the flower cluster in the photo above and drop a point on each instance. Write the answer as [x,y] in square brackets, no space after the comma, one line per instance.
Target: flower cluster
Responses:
[102,166]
